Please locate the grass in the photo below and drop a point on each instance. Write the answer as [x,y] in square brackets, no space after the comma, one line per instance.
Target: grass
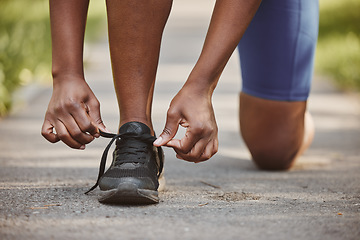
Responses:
[25,43]
[338,51]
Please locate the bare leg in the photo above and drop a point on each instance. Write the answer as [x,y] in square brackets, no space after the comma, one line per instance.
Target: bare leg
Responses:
[274,131]
[135,31]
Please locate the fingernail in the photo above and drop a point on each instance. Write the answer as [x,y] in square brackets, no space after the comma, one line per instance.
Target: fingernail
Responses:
[82,147]
[158,141]
[97,135]
[103,128]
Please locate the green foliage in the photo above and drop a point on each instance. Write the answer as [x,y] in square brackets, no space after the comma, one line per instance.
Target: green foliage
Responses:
[338,51]
[25,43]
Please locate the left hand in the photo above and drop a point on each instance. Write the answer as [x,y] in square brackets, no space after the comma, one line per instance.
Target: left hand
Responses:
[193,110]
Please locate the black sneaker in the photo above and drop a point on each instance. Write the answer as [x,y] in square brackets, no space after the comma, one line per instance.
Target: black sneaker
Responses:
[136,169]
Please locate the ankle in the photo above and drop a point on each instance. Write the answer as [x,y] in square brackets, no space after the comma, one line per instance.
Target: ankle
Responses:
[135,119]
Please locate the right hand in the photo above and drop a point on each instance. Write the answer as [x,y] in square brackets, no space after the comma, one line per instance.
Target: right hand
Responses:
[74,113]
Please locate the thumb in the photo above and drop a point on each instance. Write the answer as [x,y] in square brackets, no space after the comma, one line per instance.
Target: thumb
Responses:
[170,130]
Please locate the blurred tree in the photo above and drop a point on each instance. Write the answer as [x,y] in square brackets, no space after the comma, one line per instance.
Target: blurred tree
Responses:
[338,52]
[25,43]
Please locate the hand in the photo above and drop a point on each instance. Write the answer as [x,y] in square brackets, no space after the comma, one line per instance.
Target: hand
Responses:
[193,110]
[74,113]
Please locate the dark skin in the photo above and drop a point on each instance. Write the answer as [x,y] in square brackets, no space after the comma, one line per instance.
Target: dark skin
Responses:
[229,21]
[135,32]
[273,146]
[272,130]
[73,109]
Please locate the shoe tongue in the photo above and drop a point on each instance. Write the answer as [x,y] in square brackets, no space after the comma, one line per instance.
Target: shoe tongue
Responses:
[134,127]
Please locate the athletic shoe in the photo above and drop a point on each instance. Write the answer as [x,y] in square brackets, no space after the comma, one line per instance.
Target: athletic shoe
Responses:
[136,169]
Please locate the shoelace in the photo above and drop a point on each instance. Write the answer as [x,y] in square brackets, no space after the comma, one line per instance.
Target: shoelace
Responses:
[145,138]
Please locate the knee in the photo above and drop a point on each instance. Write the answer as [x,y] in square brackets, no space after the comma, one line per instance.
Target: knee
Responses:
[274,151]
[274,159]
[272,130]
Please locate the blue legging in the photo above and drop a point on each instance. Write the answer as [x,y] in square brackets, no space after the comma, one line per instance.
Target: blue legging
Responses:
[277,50]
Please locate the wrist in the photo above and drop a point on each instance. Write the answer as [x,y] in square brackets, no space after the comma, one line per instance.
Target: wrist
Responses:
[67,69]
[201,84]
[66,76]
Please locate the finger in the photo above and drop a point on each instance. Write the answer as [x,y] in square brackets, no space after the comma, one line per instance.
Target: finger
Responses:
[215,146]
[209,151]
[65,136]
[171,127]
[95,116]
[80,113]
[195,155]
[174,143]
[47,131]
[83,120]
[187,143]
[75,131]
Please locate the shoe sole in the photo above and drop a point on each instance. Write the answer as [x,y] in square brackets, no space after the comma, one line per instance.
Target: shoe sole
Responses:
[129,194]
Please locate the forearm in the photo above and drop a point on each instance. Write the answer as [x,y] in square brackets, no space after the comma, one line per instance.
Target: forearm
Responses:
[68,20]
[228,24]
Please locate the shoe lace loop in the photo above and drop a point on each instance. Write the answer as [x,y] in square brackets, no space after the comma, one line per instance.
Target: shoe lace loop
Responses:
[146,138]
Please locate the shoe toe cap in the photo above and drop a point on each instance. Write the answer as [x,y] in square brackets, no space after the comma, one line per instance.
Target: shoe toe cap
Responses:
[108,183]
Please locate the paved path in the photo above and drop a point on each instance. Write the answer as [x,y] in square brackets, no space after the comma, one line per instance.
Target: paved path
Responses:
[42,185]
